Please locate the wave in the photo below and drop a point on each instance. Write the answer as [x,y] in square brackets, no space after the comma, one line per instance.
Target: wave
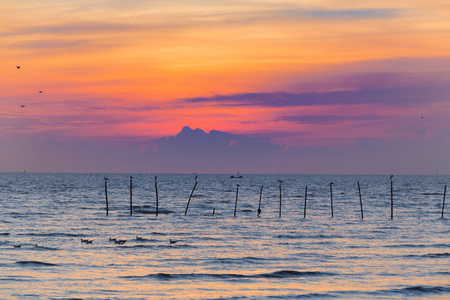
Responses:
[16,278]
[4,233]
[36,247]
[52,234]
[33,263]
[415,291]
[417,246]
[294,274]
[284,274]
[302,296]
[157,233]
[153,212]
[248,260]
[431,255]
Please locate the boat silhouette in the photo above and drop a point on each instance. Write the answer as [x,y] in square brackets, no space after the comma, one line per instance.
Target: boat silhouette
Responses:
[236,176]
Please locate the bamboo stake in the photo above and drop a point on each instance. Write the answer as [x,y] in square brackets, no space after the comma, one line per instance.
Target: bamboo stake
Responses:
[259,206]
[157,198]
[360,201]
[237,193]
[106,195]
[331,197]
[280,181]
[392,200]
[131,195]
[189,201]
[304,209]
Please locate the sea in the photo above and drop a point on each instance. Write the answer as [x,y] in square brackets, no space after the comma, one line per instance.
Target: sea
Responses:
[387,239]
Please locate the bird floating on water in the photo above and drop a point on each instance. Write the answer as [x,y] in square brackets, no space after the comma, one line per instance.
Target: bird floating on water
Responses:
[17,246]
[172,241]
[87,241]
[120,242]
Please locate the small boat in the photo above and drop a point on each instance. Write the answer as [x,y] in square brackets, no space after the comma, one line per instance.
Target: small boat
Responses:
[236,176]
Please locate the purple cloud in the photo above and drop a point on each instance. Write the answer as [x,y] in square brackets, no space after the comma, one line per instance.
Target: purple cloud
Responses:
[221,152]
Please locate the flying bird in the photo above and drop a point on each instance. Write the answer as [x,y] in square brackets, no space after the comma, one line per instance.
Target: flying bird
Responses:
[22,106]
[40,92]
[18,67]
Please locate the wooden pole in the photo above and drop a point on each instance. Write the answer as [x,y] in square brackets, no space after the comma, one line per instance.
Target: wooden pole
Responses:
[443,202]
[157,198]
[304,208]
[259,205]
[360,201]
[214,211]
[189,201]
[280,202]
[331,197]
[235,204]
[392,200]
[106,195]
[131,195]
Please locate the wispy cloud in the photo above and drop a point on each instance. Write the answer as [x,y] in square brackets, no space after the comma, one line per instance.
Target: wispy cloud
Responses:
[329,119]
[395,96]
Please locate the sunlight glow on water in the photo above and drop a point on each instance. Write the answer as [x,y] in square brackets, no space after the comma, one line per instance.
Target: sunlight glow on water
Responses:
[222,256]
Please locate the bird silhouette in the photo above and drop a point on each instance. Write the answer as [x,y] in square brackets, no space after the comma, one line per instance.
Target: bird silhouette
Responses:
[172,241]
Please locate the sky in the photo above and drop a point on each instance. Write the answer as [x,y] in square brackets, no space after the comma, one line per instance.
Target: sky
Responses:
[256,86]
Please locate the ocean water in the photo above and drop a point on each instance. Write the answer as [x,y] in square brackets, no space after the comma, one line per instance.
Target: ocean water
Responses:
[222,256]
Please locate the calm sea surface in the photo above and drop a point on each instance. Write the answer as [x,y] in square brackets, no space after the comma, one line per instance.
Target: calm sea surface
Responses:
[223,256]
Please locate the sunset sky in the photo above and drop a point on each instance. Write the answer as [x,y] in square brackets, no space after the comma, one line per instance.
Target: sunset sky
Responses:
[274,86]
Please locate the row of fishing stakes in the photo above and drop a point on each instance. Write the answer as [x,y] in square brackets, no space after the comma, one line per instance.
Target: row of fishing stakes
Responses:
[260,198]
